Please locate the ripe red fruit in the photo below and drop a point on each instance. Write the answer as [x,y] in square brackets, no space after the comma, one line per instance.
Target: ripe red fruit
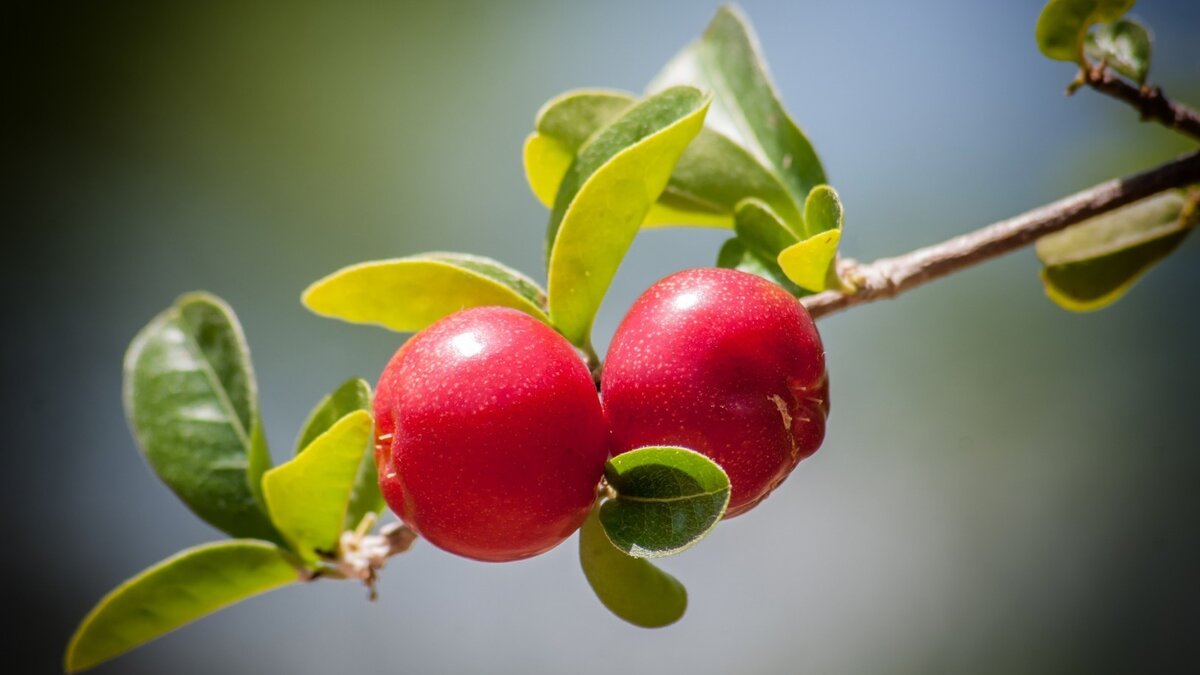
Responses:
[727,364]
[490,439]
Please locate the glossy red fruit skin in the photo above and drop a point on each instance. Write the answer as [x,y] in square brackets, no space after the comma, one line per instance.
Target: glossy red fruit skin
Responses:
[490,438]
[727,364]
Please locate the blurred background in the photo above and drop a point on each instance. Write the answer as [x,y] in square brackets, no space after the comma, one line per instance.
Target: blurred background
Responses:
[1005,487]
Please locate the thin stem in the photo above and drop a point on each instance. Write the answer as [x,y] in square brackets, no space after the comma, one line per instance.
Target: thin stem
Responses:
[888,277]
[1149,101]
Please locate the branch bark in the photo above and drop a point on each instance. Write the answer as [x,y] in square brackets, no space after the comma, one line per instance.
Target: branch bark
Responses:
[1149,101]
[888,277]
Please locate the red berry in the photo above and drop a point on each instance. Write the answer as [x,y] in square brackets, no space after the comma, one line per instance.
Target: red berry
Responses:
[727,364]
[490,436]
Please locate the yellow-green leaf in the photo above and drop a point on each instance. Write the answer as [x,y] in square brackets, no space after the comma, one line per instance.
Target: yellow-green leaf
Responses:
[176,591]
[352,395]
[1062,25]
[408,294]
[810,263]
[604,198]
[711,177]
[1090,265]
[632,588]
[308,496]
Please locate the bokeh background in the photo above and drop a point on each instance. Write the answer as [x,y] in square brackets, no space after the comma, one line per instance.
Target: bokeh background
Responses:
[1005,487]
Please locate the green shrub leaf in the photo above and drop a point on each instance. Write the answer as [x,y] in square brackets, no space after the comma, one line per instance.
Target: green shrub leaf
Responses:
[711,177]
[761,235]
[352,395]
[1090,265]
[810,263]
[1124,45]
[667,499]
[408,294]
[309,496]
[191,399]
[631,588]
[746,108]
[176,591]
[604,197]
[1064,23]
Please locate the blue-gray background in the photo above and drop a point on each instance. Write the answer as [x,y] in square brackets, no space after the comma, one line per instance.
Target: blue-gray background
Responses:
[1005,487]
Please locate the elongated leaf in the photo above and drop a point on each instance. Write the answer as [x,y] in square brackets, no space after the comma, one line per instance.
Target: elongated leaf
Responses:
[810,263]
[176,591]
[1124,45]
[631,588]
[354,394]
[711,177]
[1091,265]
[726,60]
[668,498]
[408,294]
[310,495]
[191,400]
[1064,23]
[604,198]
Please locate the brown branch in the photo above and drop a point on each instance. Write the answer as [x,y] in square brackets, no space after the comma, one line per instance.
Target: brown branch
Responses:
[1149,101]
[889,277]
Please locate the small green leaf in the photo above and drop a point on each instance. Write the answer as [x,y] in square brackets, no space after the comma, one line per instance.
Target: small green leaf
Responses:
[762,230]
[619,173]
[631,588]
[354,394]
[746,108]
[735,256]
[310,495]
[761,236]
[564,124]
[667,499]
[191,399]
[711,177]
[1064,23]
[810,263]
[1090,265]
[408,294]
[176,591]
[1124,45]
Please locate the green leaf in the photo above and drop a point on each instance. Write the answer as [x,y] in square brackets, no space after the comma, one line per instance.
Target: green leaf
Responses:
[191,399]
[631,588]
[811,263]
[761,235]
[310,495]
[1090,265]
[176,591]
[605,196]
[667,499]
[1124,45]
[1064,23]
[746,107]
[408,294]
[354,394]
[735,256]
[711,177]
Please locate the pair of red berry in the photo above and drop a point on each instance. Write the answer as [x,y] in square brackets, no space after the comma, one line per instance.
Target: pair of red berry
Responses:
[491,438]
